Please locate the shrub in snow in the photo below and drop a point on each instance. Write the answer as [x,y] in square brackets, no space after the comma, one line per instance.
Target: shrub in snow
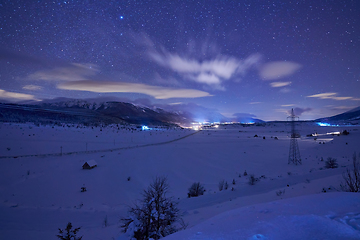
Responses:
[68,233]
[221,185]
[226,185]
[352,177]
[245,173]
[233,182]
[345,132]
[106,223]
[331,163]
[252,179]
[196,189]
[279,193]
[155,215]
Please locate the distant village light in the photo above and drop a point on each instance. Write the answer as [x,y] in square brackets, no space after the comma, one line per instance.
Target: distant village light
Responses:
[321,124]
[145,128]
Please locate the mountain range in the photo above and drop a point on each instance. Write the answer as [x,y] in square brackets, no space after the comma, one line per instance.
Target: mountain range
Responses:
[88,113]
[94,112]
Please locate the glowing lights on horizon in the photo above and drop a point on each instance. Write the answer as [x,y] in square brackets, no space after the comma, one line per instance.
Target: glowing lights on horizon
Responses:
[321,124]
[144,128]
[200,125]
[333,133]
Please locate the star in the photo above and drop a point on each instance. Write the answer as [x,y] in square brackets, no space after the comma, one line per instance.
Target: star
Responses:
[191,46]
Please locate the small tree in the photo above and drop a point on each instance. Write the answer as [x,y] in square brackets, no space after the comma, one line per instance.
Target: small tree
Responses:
[196,189]
[155,214]
[226,185]
[69,234]
[352,177]
[221,184]
[331,163]
[252,179]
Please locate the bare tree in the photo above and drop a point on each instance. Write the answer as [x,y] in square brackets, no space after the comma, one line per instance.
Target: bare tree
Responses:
[252,179]
[352,177]
[155,215]
[221,184]
[196,189]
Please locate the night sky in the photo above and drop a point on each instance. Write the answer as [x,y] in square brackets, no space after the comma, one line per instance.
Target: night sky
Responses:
[249,58]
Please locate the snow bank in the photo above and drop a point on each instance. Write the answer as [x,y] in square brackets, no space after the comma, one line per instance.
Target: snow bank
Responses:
[321,216]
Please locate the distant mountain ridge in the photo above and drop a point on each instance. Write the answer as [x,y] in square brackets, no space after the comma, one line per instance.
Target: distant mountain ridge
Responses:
[110,111]
[89,113]
[352,115]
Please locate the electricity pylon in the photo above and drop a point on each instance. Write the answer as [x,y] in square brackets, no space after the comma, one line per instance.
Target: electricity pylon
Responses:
[294,153]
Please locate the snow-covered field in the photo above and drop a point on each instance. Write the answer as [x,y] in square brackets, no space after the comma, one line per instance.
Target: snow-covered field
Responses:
[41,177]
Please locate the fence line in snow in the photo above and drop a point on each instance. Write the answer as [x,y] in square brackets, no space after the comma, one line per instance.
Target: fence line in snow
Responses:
[100,150]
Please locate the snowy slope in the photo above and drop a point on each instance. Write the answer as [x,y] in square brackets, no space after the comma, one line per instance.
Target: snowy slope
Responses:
[350,116]
[41,193]
[330,216]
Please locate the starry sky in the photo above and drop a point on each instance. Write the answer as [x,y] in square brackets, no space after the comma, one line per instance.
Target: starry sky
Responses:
[238,58]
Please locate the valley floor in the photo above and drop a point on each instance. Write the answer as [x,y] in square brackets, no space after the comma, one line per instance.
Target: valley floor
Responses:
[41,179]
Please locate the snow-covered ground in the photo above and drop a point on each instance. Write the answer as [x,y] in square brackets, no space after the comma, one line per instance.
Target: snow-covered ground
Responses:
[40,188]
[329,216]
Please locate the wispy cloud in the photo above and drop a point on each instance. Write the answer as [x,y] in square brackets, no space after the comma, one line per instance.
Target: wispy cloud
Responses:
[330,95]
[341,107]
[285,90]
[155,91]
[298,111]
[13,96]
[211,72]
[281,110]
[287,105]
[255,102]
[75,72]
[32,87]
[279,69]
[244,115]
[79,77]
[280,84]
[175,103]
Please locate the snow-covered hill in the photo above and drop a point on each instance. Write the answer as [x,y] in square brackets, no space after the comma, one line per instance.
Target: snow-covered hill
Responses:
[352,116]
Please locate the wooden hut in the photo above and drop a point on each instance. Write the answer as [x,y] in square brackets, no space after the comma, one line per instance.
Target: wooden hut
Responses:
[89,164]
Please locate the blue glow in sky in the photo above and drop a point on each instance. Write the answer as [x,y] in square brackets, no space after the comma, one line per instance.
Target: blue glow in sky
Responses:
[259,58]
